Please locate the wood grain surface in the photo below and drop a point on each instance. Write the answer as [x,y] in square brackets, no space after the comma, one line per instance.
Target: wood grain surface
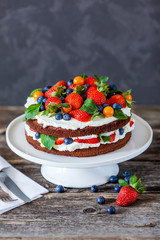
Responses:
[75,213]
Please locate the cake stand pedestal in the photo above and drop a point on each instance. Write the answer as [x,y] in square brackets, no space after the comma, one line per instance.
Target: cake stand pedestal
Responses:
[79,172]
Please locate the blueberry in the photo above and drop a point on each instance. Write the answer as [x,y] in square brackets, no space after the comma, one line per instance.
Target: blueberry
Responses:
[62,99]
[46,88]
[68,91]
[40,99]
[68,141]
[111,210]
[101,200]
[84,97]
[116,106]
[117,188]
[126,173]
[105,105]
[66,116]
[59,189]
[127,178]
[37,135]
[44,100]
[110,95]
[112,86]
[43,91]
[121,131]
[70,82]
[100,108]
[94,188]
[41,108]
[113,179]
[58,116]
[87,85]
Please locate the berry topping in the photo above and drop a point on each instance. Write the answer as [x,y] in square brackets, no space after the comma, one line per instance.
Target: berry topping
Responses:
[37,135]
[52,100]
[66,117]
[67,110]
[131,123]
[75,100]
[112,136]
[116,106]
[105,105]
[112,86]
[37,94]
[80,115]
[48,93]
[90,80]
[87,85]
[70,82]
[58,116]
[59,141]
[100,200]
[68,141]
[41,108]
[40,99]
[62,99]
[113,179]
[78,80]
[121,131]
[100,108]
[91,89]
[44,100]
[84,97]
[108,111]
[89,141]
[111,210]
[117,188]
[68,91]
[59,189]
[117,99]
[94,188]
[97,97]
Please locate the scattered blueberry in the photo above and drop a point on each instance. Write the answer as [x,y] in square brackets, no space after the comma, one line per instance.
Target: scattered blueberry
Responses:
[68,141]
[70,82]
[117,188]
[59,189]
[121,131]
[68,91]
[111,210]
[127,178]
[113,179]
[46,88]
[126,173]
[100,108]
[87,85]
[66,116]
[58,116]
[44,100]
[101,200]
[40,99]
[112,87]
[94,188]
[41,108]
[84,97]
[105,105]
[37,135]
[116,106]
[62,99]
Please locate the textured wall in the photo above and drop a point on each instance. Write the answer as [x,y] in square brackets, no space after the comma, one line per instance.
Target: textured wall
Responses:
[43,41]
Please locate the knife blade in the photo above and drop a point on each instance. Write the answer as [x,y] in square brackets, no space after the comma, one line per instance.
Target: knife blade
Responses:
[8,182]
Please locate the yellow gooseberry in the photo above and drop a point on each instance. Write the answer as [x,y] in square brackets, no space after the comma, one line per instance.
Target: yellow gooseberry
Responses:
[78,80]
[37,94]
[108,111]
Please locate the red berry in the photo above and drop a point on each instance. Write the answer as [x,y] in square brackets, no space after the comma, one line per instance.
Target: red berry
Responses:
[52,100]
[90,81]
[73,86]
[81,115]
[75,100]
[32,129]
[48,93]
[89,141]
[91,89]
[97,97]
[117,99]
[131,123]
[59,141]
[126,196]
[61,83]
[112,136]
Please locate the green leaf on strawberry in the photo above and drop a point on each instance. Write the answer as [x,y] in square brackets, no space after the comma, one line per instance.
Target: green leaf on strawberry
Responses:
[48,141]
[118,113]
[128,92]
[60,92]
[84,76]
[89,106]
[80,89]
[105,138]
[32,111]
[133,179]
[133,183]
[38,89]
[123,183]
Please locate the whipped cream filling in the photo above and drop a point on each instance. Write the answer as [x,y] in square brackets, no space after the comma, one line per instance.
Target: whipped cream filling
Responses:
[75,145]
[72,124]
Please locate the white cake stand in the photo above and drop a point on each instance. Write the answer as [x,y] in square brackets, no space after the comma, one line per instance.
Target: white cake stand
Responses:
[74,171]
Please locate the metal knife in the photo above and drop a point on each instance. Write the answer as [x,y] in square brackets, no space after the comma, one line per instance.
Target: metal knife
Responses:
[8,182]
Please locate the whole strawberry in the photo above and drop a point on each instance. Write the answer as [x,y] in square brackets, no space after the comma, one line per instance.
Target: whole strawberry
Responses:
[117,99]
[80,115]
[129,192]
[52,100]
[90,81]
[97,97]
[91,89]
[75,100]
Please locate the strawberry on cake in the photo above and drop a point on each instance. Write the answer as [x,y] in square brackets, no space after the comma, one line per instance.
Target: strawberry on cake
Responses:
[82,117]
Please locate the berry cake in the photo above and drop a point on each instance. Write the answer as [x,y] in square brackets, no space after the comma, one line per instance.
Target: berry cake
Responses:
[82,117]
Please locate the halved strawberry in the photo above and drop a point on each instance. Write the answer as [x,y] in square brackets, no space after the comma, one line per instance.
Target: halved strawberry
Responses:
[59,141]
[75,100]
[112,136]
[52,100]
[32,129]
[80,115]
[117,99]
[90,80]
[89,141]
[97,97]
[131,123]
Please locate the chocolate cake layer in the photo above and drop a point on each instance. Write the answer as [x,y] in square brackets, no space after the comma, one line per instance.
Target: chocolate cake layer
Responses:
[61,132]
[87,152]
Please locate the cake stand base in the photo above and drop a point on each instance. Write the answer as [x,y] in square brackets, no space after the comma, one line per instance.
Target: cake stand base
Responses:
[79,178]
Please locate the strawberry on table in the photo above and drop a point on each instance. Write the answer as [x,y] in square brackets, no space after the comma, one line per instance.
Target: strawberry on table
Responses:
[129,192]
[75,100]
[97,97]
[117,99]
[52,100]
[81,115]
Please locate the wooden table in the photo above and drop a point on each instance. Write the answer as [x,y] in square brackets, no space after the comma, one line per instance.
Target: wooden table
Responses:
[75,212]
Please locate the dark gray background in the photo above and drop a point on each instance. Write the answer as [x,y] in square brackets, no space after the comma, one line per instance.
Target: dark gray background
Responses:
[43,41]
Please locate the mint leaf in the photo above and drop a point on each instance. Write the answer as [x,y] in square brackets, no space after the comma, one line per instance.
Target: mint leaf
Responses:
[65,105]
[105,138]
[127,93]
[118,113]
[48,141]
[46,112]
[140,190]
[84,76]
[122,182]
[32,111]
[38,89]
[89,106]
[97,77]
[97,114]
[132,179]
